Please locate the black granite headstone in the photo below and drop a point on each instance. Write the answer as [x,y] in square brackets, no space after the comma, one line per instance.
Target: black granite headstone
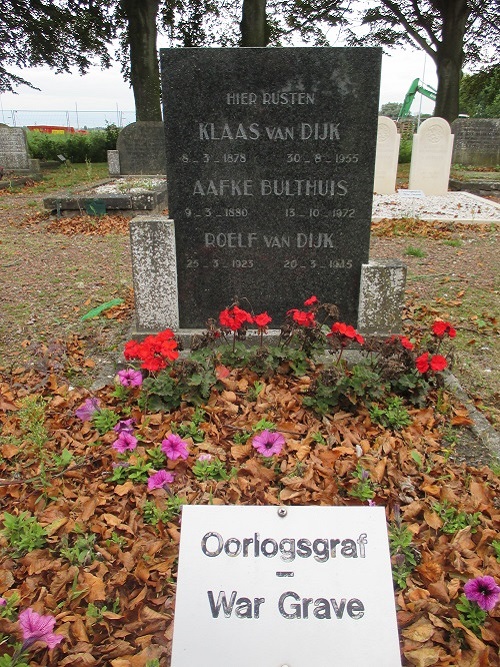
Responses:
[270,161]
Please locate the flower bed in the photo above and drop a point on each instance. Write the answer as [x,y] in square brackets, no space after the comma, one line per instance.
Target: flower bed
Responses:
[93,485]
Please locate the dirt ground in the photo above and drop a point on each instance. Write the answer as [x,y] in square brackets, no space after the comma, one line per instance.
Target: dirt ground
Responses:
[49,280]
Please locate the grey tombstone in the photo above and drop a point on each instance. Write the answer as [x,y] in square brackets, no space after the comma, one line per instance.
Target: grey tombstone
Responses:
[113,163]
[14,154]
[141,148]
[477,141]
[270,159]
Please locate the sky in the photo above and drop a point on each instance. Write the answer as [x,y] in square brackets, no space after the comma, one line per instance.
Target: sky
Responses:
[74,96]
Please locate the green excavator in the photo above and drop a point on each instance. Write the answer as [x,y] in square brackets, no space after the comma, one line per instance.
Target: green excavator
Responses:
[417,86]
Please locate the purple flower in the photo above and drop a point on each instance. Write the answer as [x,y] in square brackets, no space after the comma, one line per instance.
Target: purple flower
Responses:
[174,447]
[130,378]
[87,409]
[37,628]
[124,426]
[159,479]
[204,457]
[484,591]
[124,441]
[268,443]
[3,602]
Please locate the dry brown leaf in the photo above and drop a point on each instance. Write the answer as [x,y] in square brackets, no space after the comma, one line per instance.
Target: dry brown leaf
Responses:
[420,631]
[423,657]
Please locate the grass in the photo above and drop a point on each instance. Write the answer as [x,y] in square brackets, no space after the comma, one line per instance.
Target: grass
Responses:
[415,252]
[64,176]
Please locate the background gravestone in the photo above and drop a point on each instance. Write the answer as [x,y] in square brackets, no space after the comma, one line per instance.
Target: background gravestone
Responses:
[270,160]
[386,159]
[141,148]
[477,141]
[14,153]
[431,157]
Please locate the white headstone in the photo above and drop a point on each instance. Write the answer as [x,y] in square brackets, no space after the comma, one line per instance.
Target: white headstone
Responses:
[431,157]
[386,160]
[295,586]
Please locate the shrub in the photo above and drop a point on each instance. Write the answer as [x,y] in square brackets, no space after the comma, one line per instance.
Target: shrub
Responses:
[91,147]
[405,149]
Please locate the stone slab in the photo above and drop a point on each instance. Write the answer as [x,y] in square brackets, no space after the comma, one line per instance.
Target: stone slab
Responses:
[386,159]
[431,157]
[477,141]
[270,164]
[113,163]
[154,270]
[142,201]
[381,297]
[141,147]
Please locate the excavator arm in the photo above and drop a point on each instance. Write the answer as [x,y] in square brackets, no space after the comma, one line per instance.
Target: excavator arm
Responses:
[416,87]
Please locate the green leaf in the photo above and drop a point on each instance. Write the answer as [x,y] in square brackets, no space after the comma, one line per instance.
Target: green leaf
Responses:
[99,309]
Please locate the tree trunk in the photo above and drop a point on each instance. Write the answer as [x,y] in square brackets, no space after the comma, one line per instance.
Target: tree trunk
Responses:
[253,26]
[144,68]
[449,57]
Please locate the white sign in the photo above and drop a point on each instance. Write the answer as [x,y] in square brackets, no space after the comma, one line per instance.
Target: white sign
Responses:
[411,194]
[284,587]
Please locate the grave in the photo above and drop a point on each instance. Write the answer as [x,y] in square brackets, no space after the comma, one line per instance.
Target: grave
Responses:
[386,159]
[141,150]
[431,157]
[477,141]
[14,153]
[124,195]
[270,186]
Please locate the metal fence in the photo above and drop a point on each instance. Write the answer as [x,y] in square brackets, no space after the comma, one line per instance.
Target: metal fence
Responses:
[79,120]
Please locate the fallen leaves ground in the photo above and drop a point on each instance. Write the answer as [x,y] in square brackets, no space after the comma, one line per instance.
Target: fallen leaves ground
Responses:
[117,608]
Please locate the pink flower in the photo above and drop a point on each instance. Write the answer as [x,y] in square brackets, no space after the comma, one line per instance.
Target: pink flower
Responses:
[484,591]
[130,378]
[87,409]
[3,602]
[268,443]
[160,479]
[174,447]
[37,628]
[124,425]
[125,441]
[205,457]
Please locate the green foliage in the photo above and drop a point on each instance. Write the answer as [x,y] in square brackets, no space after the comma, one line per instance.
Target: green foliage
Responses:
[454,520]
[405,557]
[153,515]
[137,472]
[263,425]
[104,420]
[157,457]
[411,385]
[405,148]
[188,380]
[91,147]
[9,610]
[212,469]
[189,430]
[63,459]
[8,661]
[342,387]
[32,420]
[363,489]
[79,551]
[480,93]
[241,437]
[254,391]
[394,415]
[318,437]
[471,615]
[496,548]
[23,533]
[116,539]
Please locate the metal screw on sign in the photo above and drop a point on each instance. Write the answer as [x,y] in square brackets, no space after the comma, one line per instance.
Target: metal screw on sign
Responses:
[282,513]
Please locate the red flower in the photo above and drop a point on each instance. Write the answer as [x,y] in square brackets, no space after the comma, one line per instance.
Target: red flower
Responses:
[132,350]
[347,331]
[311,301]
[234,318]
[302,318]
[262,320]
[153,351]
[422,363]
[440,329]
[438,363]
[405,342]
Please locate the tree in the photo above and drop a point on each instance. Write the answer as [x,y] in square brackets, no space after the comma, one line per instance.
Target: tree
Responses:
[391,109]
[451,32]
[480,93]
[254,26]
[59,34]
